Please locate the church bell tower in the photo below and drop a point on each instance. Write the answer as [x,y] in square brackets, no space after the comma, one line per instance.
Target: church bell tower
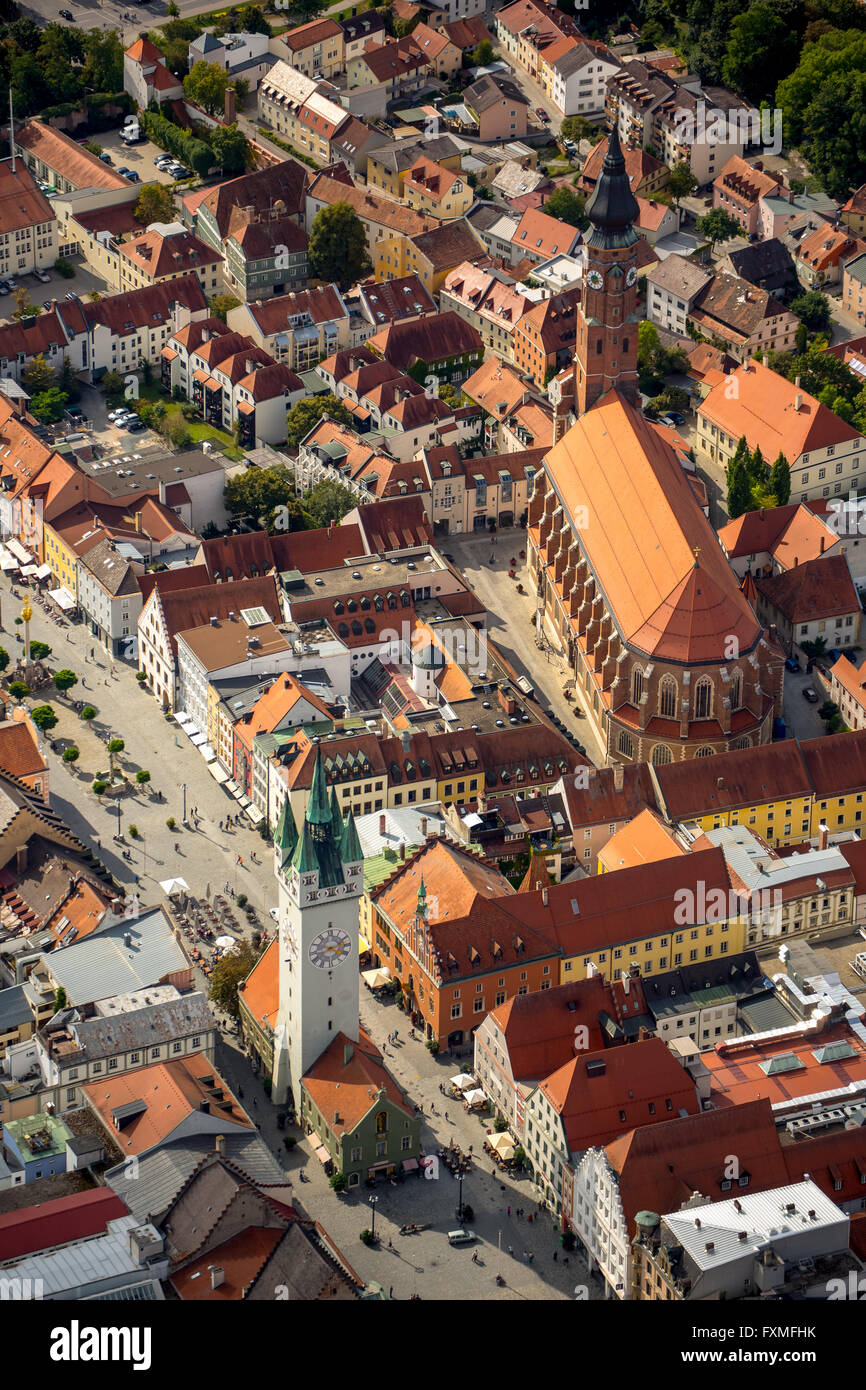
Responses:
[607,319]
[319,872]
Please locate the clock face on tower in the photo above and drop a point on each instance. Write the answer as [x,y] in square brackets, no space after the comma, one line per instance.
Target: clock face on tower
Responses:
[594,280]
[631,275]
[330,948]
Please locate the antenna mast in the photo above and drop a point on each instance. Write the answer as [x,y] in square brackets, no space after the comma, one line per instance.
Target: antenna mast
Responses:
[11,128]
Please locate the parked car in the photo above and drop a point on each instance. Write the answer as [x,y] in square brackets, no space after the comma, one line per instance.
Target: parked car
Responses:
[11,282]
[675,417]
[135,426]
[43,276]
[461,1237]
[541,114]
[180,171]
[106,157]
[810,695]
[163,161]
[115,415]
[4,288]
[274,912]
[792,664]
[68,16]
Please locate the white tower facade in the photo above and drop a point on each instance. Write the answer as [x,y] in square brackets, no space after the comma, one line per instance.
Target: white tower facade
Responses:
[320,880]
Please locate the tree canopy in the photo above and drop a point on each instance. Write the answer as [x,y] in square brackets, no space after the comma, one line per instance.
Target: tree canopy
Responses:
[252,495]
[307,413]
[154,204]
[229,972]
[568,206]
[205,84]
[338,245]
[327,501]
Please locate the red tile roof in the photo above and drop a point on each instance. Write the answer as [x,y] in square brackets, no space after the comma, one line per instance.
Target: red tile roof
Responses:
[350,1088]
[729,781]
[65,156]
[172,1091]
[821,588]
[740,1067]
[59,1222]
[598,1094]
[836,765]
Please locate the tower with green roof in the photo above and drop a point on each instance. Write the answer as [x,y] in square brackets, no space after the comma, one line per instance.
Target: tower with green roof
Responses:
[319,871]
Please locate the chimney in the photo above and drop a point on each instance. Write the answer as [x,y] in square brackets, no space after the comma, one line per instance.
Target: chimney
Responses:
[823,836]
[765,359]
[796,561]
[230,106]
[402,849]
[798,401]
[138,521]
[21,859]
[220,1144]
[618,777]
[204,1106]
[544,896]
[796,383]
[424,826]
[383,821]
[217,1276]
[251,366]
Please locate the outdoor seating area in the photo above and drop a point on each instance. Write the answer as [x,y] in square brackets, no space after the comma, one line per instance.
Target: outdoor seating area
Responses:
[501,1150]
[204,925]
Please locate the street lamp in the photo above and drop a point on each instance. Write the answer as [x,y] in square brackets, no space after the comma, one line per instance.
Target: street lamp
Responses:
[183,789]
[460,1195]
[373,1201]
[117,809]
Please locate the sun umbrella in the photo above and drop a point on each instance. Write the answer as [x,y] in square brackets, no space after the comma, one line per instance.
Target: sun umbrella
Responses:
[225,943]
[170,886]
[462,1081]
[501,1142]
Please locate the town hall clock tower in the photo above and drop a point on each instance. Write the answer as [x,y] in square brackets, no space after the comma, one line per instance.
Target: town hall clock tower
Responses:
[607,319]
[320,877]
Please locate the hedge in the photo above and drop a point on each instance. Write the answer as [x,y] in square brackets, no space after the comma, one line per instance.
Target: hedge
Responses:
[290,149]
[93,103]
[192,152]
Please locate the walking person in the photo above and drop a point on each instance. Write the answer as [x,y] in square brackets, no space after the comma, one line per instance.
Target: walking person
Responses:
[508,1210]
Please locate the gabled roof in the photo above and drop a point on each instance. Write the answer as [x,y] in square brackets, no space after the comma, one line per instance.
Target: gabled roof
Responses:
[57,151]
[792,534]
[643,532]
[167,1093]
[58,1222]
[371,207]
[263,189]
[773,413]
[194,608]
[348,1080]
[447,244]
[729,781]
[821,588]
[492,90]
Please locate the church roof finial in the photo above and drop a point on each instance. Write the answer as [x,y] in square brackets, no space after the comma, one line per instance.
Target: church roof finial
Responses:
[612,207]
[318,806]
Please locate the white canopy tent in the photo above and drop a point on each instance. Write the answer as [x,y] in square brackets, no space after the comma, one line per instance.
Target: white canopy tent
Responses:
[463,1082]
[62,598]
[170,886]
[218,773]
[473,1097]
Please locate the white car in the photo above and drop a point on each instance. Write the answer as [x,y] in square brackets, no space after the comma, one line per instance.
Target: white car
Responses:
[275,914]
[115,415]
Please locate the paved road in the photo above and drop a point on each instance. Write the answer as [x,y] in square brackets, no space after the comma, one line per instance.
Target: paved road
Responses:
[509,622]
[207,856]
[424,1264]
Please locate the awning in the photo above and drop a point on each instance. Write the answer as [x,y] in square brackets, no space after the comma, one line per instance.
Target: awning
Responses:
[197,739]
[375,979]
[169,354]
[245,408]
[232,786]
[207,752]
[43,572]
[463,1082]
[473,1097]
[200,375]
[501,1143]
[363,944]
[212,384]
[7,561]
[218,772]
[181,716]
[255,816]
[322,1154]
[62,598]
[409,1165]
[17,549]
[29,570]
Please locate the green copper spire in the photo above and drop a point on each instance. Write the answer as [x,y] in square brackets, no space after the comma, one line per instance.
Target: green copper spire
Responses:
[421,910]
[350,845]
[286,834]
[336,816]
[318,809]
[304,858]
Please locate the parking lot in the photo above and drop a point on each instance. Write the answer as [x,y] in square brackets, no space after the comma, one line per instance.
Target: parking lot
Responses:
[82,283]
[136,157]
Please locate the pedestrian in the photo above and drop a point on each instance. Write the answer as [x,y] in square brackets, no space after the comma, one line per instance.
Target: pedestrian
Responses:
[396,1035]
[240,861]
[227,885]
[421,1107]
[555,1256]
[511,1250]
[530,1257]
[221,826]
[390,1246]
[176,845]
[391,1290]
[529,1217]
[508,1209]
[565,1260]
[526,1256]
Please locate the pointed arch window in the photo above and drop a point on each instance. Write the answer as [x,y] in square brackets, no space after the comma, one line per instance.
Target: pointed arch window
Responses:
[661,755]
[668,698]
[637,685]
[736,690]
[704,698]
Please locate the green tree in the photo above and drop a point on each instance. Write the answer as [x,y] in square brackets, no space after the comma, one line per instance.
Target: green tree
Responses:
[824,100]
[231,149]
[577,128]
[43,717]
[338,246]
[338,1182]
[757,469]
[48,406]
[483,54]
[739,490]
[37,377]
[813,309]
[205,84]
[103,62]
[682,182]
[252,20]
[176,429]
[88,713]
[70,755]
[112,383]
[780,481]
[64,680]
[718,225]
[229,972]
[568,206]
[220,304]
[327,501]
[19,689]
[250,496]
[60,999]
[154,204]
[4,659]
[54,56]
[647,342]
[171,9]
[308,412]
[142,777]
[115,746]
[829,711]
[762,49]
[304,10]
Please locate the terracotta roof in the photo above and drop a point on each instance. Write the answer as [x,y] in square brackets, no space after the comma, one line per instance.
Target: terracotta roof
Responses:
[83,908]
[836,765]
[19,750]
[193,608]
[190,577]
[593,1091]
[394,58]
[394,524]
[821,588]
[453,878]
[763,407]
[430,42]
[549,21]
[642,531]
[539,1028]
[732,304]
[260,991]
[825,247]
[660,1166]
[322,303]
[306,34]
[372,207]
[350,1088]
[158,254]
[58,1222]
[148,308]
[21,203]
[543,235]
[447,244]
[791,534]
[65,156]
[468,33]
[241,1259]
[285,182]
[170,1092]
[639,165]
[143,51]
[829,1159]
[745,181]
[729,781]
[643,840]
[741,1068]
[272,707]
[430,178]
[496,387]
